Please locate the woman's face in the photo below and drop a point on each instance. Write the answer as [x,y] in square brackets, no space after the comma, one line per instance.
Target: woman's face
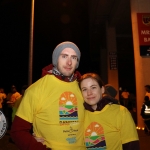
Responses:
[91,92]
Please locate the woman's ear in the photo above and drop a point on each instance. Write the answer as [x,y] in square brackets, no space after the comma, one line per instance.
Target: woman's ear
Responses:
[103,89]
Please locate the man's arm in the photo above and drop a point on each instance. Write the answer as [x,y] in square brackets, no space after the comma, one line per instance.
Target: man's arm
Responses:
[20,133]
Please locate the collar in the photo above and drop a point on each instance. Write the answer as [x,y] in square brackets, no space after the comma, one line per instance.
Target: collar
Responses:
[101,104]
[50,69]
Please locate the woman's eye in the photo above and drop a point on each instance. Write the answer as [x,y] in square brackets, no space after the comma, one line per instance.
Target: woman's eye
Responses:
[84,90]
[93,87]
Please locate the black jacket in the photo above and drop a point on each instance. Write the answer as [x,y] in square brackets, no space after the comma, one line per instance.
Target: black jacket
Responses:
[143,114]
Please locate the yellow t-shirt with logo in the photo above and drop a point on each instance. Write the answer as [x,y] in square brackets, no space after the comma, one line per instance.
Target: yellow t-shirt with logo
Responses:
[56,110]
[109,128]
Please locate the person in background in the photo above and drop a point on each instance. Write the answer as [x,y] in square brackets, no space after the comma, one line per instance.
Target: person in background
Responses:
[125,96]
[2,98]
[13,96]
[110,91]
[10,100]
[17,103]
[107,124]
[53,105]
[145,113]
[147,89]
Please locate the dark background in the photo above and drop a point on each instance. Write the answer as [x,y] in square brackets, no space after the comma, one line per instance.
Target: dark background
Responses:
[55,21]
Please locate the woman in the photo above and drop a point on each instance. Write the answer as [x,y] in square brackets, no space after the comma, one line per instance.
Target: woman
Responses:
[107,124]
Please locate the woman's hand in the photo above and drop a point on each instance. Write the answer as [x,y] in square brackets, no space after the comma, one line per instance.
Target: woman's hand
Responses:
[38,139]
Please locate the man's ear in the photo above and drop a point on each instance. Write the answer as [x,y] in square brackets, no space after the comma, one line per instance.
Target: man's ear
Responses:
[103,89]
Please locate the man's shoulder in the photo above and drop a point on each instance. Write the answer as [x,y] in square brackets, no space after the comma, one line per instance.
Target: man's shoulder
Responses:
[42,79]
[43,82]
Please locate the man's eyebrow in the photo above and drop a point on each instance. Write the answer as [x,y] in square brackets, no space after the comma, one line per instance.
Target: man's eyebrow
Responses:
[68,55]
[64,54]
[74,55]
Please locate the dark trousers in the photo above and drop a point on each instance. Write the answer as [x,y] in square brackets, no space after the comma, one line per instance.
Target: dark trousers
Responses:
[125,102]
[147,124]
[8,114]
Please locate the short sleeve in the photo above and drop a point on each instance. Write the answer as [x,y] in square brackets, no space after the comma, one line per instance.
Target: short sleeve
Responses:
[128,128]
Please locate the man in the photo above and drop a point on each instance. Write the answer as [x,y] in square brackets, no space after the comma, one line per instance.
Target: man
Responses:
[53,105]
[125,95]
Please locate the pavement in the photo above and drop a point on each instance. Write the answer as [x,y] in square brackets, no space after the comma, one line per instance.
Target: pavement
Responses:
[144,140]
[6,144]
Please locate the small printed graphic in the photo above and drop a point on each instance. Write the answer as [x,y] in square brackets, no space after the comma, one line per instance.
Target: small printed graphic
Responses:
[94,137]
[71,140]
[3,125]
[146,19]
[68,107]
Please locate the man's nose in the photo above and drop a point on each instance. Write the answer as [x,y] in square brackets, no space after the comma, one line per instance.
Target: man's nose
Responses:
[69,61]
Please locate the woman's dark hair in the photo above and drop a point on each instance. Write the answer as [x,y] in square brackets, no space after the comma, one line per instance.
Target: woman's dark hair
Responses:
[94,76]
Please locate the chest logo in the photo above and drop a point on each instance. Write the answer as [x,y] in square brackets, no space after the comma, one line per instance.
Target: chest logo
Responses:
[94,137]
[68,110]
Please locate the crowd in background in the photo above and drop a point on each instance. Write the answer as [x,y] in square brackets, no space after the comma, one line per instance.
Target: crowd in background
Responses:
[10,101]
[127,99]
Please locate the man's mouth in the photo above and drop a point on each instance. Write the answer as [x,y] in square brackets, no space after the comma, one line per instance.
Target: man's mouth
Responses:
[66,68]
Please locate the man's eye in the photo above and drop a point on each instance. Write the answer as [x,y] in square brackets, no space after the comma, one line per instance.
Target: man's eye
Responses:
[74,57]
[64,56]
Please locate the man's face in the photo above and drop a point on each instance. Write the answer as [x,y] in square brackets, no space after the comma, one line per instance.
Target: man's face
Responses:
[147,89]
[13,90]
[67,61]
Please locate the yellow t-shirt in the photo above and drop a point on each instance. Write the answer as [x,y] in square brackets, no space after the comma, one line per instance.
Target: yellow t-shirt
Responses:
[109,128]
[2,97]
[56,110]
[12,98]
[125,94]
[15,107]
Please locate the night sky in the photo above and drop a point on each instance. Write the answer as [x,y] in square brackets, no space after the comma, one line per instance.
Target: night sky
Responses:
[55,21]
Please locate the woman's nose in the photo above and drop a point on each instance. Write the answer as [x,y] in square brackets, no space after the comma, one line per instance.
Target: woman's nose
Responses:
[89,92]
